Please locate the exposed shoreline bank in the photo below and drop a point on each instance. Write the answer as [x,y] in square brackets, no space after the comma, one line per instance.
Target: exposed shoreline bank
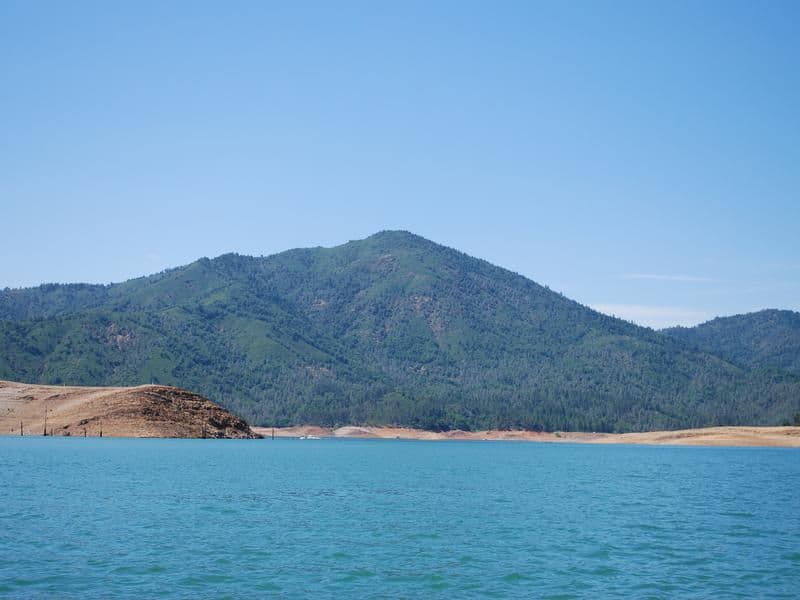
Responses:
[154,411]
[788,437]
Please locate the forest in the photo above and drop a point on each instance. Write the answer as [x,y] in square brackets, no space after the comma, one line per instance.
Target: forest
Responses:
[396,330]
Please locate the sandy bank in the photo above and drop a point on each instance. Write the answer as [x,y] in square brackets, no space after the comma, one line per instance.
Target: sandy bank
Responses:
[143,411]
[710,436]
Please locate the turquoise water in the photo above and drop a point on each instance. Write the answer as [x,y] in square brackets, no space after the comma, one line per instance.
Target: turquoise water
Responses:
[99,518]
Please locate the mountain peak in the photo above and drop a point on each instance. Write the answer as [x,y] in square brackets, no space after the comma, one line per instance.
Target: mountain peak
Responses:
[399,237]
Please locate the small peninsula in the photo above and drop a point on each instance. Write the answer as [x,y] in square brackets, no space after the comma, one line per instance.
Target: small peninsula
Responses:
[144,411]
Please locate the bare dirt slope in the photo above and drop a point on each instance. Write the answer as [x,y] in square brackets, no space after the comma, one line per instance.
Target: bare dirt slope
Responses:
[710,436]
[143,411]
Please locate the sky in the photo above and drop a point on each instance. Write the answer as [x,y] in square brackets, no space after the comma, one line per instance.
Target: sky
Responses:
[642,158]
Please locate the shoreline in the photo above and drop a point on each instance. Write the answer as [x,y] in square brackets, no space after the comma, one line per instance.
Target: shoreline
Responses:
[741,436]
[145,411]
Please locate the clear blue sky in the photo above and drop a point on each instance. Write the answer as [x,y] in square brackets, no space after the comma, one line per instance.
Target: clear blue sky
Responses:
[640,157]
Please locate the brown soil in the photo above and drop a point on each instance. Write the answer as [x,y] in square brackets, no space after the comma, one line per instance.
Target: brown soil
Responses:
[711,436]
[143,411]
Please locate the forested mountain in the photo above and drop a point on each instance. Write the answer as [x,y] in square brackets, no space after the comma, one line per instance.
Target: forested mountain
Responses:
[393,329]
[767,339]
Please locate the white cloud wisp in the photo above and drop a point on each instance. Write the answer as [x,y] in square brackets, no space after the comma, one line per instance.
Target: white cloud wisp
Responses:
[656,317]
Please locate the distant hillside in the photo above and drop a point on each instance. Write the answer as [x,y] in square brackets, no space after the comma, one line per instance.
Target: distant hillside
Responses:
[393,329]
[768,339]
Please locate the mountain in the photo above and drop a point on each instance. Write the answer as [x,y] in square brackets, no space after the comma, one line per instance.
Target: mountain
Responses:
[392,329]
[768,339]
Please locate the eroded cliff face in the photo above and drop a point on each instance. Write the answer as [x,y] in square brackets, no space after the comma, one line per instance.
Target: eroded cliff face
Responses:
[143,411]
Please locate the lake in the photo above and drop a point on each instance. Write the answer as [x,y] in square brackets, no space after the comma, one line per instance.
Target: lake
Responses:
[127,518]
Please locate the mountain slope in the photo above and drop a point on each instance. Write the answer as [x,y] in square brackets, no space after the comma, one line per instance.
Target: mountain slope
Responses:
[393,329]
[767,339]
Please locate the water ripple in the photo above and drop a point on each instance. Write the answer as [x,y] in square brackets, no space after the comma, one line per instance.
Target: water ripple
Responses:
[376,519]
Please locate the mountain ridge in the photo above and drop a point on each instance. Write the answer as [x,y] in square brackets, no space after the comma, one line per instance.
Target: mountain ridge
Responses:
[768,338]
[391,329]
